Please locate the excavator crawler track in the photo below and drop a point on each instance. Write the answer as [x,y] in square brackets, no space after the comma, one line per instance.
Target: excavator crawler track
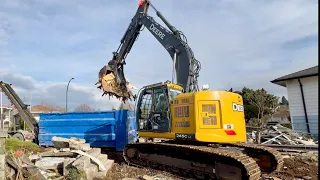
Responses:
[267,158]
[192,161]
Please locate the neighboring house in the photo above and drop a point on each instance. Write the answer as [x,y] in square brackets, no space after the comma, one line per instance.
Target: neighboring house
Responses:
[36,110]
[302,89]
[7,116]
[282,115]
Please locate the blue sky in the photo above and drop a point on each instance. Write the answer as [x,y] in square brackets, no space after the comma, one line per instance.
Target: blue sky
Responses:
[43,43]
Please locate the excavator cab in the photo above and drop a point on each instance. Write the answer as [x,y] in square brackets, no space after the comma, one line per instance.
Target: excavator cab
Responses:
[153,107]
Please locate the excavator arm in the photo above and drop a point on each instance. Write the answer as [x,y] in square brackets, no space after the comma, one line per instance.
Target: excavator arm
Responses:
[21,107]
[186,67]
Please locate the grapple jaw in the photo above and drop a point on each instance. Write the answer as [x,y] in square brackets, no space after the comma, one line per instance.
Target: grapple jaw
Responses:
[113,83]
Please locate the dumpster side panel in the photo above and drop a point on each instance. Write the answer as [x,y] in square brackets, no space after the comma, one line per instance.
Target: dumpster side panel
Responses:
[97,128]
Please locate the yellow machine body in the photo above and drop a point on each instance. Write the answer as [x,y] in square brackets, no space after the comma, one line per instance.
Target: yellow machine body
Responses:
[205,116]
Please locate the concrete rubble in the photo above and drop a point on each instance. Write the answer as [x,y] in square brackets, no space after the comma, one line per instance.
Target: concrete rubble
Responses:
[274,133]
[68,154]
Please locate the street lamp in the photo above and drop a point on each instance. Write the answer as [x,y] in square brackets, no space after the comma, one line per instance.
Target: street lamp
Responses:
[67,94]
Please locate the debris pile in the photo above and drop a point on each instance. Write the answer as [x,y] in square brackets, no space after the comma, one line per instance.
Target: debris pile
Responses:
[70,159]
[278,134]
[108,82]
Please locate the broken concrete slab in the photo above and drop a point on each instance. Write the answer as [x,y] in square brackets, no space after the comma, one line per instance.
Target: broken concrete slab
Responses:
[77,140]
[103,158]
[82,147]
[94,159]
[81,162]
[67,164]
[50,162]
[60,142]
[90,171]
[95,152]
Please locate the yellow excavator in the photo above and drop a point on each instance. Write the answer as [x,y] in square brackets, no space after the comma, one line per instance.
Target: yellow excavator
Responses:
[204,130]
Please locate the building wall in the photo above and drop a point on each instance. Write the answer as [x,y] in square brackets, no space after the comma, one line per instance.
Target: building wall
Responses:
[7,117]
[310,90]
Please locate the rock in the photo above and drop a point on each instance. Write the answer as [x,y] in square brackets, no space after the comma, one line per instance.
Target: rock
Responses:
[130,179]
[60,142]
[82,147]
[306,177]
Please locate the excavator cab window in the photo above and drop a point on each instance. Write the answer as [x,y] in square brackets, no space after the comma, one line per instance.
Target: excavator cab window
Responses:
[153,110]
[173,93]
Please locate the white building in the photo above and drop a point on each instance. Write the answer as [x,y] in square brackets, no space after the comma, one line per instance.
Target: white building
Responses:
[7,116]
[302,89]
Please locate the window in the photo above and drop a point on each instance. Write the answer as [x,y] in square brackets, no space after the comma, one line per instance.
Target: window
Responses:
[146,103]
[173,93]
[161,102]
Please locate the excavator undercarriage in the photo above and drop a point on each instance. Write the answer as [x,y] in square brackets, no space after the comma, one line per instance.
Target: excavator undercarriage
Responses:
[205,161]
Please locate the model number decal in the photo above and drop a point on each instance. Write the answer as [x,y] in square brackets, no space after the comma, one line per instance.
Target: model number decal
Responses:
[237,107]
[185,136]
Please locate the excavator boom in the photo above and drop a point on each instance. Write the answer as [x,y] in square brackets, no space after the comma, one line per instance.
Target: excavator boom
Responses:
[204,133]
[21,107]
[111,77]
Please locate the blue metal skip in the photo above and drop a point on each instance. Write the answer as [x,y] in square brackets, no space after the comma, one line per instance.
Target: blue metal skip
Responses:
[99,129]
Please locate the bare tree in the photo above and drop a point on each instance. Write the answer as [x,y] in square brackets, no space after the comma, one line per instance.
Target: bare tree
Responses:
[84,108]
[126,106]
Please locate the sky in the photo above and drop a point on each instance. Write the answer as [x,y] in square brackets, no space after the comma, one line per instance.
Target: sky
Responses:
[243,43]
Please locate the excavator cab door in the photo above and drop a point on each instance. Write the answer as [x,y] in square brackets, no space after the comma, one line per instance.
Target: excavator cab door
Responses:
[153,110]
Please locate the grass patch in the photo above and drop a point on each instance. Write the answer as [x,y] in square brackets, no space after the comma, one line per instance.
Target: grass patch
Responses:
[13,144]
[74,173]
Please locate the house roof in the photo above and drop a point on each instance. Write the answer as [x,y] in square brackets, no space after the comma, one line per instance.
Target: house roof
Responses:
[4,106]
[41,108]
[313,71]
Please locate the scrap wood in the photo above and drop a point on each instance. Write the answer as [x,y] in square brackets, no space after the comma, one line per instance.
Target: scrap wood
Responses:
[94,159]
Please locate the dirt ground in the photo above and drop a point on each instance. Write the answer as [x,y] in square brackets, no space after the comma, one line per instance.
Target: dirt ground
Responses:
[296,166]
[301,166]
[121,170]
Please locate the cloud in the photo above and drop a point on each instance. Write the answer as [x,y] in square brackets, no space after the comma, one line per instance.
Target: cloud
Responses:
[54,93]
[239,43]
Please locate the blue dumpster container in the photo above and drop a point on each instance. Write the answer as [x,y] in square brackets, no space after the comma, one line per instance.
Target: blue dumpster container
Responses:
[99,129]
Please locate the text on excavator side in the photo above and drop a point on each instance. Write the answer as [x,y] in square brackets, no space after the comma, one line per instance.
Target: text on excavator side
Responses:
[155,30]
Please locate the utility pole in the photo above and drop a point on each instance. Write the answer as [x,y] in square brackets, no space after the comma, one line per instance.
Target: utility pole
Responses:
[67,94]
